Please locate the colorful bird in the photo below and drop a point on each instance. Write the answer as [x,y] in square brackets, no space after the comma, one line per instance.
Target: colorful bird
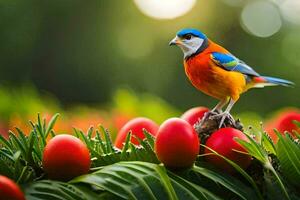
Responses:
[215,71]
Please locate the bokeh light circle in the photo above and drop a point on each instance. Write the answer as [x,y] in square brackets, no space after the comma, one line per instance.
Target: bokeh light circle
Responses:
[290,10]
[261,18]
[165,9]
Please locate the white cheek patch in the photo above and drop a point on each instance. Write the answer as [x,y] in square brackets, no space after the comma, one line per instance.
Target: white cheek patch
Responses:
[190,47]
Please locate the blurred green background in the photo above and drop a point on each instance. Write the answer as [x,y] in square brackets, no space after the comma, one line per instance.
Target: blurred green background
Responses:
[81,52]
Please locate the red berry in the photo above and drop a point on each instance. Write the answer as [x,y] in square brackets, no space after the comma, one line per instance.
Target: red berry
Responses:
[9,190]
[177,143]
[66,157]
[193,115]
[136,126]
[283,123]
[286,122]
[222,141]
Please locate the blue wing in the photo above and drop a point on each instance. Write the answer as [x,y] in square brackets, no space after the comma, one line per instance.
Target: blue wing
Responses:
[231,63]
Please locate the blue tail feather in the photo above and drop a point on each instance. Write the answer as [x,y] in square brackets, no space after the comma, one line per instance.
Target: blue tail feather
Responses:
[278,81]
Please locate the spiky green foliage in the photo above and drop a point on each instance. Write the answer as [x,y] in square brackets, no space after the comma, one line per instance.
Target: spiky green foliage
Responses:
[281,162]
[104,153]
[288,154]
[134,172]
[21,154]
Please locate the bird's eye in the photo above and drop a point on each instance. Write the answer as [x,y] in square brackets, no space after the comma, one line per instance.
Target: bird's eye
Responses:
[188,37]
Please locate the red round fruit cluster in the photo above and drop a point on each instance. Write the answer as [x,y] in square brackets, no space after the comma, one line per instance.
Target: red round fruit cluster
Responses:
[177,143]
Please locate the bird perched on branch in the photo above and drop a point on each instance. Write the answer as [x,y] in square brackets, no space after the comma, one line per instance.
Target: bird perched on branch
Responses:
[215,71]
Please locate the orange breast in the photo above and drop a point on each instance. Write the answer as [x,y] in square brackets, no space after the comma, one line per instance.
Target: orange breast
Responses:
[211,79]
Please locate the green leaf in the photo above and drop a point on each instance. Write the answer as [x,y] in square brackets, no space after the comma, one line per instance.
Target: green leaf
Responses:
[54,190]
[272,188]
[90,132]
[40,127]
[228,182]
[150,138]
[142,180]
[5,168]
[82,136]
[108,141]
[288,154]
[188,190]
[22,137]
[146,146]
[268,144]
[7,154]
[6,143]
[31,140]
[108,196]
[126,145]
[100,142]
[240,170]
[125,182]
[51,124]
[17,143]
[257,151]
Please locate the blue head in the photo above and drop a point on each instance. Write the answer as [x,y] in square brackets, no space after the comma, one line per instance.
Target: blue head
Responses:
[191,41]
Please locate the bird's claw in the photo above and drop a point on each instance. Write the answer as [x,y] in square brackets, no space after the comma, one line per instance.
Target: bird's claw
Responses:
[207,115]
[210,114]
[223,116]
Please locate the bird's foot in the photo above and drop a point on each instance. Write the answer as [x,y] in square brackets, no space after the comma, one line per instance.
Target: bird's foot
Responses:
[207,115]
[213,121]
[223,116]
[210,113]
